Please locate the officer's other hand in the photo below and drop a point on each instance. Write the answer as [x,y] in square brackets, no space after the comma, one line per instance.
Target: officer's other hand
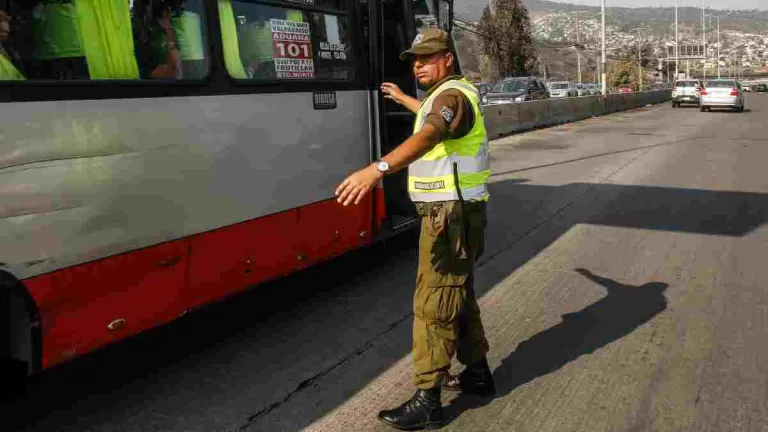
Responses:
[392,91]
[355,187]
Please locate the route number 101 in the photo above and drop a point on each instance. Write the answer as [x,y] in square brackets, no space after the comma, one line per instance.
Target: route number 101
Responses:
[293,50]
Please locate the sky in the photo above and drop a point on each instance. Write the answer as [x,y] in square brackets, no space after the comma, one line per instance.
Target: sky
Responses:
[713,4]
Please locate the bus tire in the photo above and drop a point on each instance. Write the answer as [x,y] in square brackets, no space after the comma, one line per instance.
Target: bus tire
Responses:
[20,344]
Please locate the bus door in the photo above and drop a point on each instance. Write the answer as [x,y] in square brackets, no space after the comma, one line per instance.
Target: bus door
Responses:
[398,22]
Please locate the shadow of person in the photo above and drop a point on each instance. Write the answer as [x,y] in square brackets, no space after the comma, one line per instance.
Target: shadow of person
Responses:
[625,308]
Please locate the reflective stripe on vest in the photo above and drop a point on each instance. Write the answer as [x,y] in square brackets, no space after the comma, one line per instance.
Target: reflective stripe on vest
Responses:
[431,178]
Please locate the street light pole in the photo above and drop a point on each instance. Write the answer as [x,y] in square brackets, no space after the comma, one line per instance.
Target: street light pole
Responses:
[578,43]
[604,76]
[677,44]
[704,38]
[639,63]
[718,46]
[639,58]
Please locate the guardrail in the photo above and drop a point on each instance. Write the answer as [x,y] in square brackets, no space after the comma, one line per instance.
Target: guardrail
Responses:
[505,119]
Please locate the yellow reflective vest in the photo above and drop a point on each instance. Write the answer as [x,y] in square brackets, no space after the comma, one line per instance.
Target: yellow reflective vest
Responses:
[432,178]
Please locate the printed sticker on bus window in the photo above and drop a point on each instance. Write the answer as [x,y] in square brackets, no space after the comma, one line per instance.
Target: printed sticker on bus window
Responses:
[292,49]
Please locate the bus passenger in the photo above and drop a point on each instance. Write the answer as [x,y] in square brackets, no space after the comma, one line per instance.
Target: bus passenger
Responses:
[188,29]
[166,49]
[448,169]
[9,58]
[59,52]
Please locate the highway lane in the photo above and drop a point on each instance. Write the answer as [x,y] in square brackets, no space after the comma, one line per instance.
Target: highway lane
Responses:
[663,208]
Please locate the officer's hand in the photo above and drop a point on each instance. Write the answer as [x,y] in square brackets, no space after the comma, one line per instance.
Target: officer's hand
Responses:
[357,186]
[392,91]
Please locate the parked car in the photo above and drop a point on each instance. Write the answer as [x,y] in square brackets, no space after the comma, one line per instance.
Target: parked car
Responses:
[562,89]
[722,93]
[483,87]
[762,88]
[583,90]
[625,89]
[518,89]
[686,91]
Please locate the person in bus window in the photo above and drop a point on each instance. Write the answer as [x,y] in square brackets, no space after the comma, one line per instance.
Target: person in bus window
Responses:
[55,30]
[9,57]
[257,47]
[165,47]
[188,30]
[448,170]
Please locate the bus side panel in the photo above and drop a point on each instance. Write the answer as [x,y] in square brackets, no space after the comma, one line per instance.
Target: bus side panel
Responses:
[90,305]
[328,228]
[232,258]
[83,180]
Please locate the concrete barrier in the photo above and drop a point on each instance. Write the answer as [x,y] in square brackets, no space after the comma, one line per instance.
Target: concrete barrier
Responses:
[560,111]
[534,114]
[582,108]
[501,120]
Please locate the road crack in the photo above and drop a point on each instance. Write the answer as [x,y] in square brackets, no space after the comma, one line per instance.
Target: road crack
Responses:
[314,378]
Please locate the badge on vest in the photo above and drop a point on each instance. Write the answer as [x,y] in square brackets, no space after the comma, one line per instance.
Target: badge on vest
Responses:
[447,114]
[429,185]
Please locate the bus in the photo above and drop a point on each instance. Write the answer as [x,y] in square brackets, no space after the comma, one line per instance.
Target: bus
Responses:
[159,155]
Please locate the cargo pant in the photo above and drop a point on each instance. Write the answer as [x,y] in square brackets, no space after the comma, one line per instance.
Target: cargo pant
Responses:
[446,314]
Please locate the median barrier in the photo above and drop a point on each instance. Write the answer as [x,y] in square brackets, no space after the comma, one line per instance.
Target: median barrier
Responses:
[509,118]
[502,119]
[560,111]
[582,107]
[534,114]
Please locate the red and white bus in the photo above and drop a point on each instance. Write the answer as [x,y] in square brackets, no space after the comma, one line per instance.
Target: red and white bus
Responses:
[159,155]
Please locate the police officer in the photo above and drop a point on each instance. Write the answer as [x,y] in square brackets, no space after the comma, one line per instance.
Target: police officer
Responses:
[448,168]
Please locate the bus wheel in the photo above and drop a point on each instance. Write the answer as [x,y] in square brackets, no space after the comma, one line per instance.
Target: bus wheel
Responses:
[16,337]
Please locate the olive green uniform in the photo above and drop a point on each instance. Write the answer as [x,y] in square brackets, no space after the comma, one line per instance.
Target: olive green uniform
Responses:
[446,314]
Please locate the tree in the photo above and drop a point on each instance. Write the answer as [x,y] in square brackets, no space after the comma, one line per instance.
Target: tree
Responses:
[507,38]
[623,72]
[646,49]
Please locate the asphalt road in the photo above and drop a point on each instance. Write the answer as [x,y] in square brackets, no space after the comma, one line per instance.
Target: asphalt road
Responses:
[621,290]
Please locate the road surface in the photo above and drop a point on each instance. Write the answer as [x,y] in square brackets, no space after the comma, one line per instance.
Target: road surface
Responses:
[622,289]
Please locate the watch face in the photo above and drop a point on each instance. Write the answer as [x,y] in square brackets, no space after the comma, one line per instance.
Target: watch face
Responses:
[383,166]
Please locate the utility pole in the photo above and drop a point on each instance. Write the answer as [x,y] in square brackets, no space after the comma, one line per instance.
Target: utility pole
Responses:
[704,39]
[718,46]
[639,63]
[604,75]
[677,44]
[578,43]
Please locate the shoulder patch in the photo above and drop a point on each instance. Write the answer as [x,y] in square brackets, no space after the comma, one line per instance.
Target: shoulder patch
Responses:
[447,114]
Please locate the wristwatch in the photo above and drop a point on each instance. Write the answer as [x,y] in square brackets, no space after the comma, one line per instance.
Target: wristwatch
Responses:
[382,166]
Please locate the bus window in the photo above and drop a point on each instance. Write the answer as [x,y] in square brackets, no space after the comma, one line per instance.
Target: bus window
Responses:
[263,42]
[170,39]
[9,58]
[104,39]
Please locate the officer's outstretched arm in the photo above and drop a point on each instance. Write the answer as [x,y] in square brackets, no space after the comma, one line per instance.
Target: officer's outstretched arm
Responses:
[359,184]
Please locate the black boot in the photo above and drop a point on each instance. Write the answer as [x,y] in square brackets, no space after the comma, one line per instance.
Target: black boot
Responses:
[476,379]
[422,411]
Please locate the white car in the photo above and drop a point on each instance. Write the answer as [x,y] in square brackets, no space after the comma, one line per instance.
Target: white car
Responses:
[562,89]
[722,93]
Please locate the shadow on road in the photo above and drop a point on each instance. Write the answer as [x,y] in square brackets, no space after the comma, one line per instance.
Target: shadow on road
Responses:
[621,311]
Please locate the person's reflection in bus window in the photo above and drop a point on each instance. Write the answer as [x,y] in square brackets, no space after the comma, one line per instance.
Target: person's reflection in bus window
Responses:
[59,53]
[167,56]
[188,29]
[10,60]
[257,47]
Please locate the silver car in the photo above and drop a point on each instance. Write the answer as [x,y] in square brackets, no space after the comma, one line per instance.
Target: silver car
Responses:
[562,89]
[722,93]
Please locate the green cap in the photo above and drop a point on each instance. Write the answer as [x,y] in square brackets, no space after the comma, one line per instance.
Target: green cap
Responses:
[427,42]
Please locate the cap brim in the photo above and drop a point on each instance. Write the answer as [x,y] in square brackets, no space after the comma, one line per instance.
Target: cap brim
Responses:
[419,50]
